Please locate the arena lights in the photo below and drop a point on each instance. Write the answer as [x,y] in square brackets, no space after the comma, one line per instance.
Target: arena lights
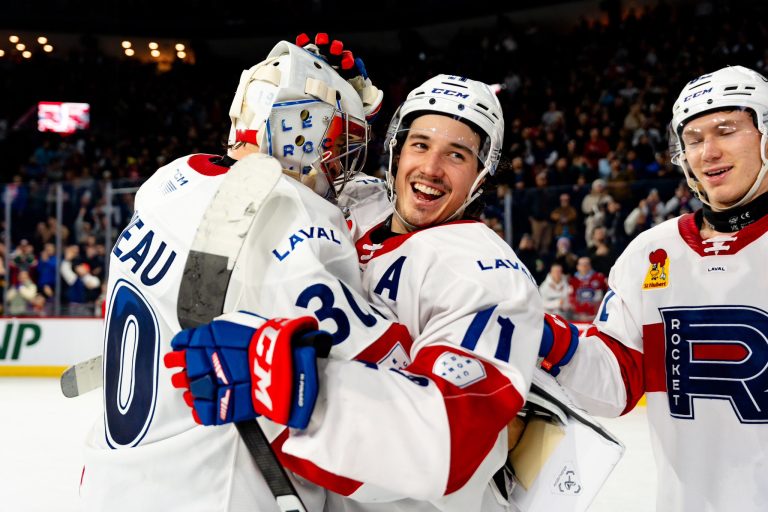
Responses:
[180,48]
[2,53]
[42,39]
[14,39]
[27,54]
[181,55]
[129,52]
[126,44]
[21,46]
[153,45]
[47,48]
[155,53]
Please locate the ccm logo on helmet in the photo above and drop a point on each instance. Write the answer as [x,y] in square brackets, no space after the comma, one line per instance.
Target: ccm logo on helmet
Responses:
[697,94]
[449,92]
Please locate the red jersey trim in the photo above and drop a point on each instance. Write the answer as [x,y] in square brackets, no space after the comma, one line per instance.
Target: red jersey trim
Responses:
[203,165]
[476,413]
[376,351]
[654,358]
[689,231]
[392,243]
[338,484]
[631,366]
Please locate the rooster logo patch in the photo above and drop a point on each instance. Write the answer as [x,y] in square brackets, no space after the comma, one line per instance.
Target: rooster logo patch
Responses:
[658,272]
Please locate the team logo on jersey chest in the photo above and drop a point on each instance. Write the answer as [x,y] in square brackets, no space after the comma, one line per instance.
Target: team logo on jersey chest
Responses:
[658,271]
[717,353]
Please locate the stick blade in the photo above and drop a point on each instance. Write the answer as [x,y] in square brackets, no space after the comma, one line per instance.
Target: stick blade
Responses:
[81,378]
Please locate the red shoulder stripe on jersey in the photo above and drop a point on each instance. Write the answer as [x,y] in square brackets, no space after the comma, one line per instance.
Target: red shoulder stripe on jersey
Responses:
[366,249]
[689,231]
[202,164]
[476,413]
[376,351]
[304,468]
[653,358]
[631,366]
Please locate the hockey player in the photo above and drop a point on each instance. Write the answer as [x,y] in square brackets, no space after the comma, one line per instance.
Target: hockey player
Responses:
[292,115]
[423,426]
[686,318]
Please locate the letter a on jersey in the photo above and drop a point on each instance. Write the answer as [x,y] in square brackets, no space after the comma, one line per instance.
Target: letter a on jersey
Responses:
[391,279]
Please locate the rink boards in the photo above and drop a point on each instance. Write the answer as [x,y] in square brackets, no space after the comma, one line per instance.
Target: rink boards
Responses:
[40,347]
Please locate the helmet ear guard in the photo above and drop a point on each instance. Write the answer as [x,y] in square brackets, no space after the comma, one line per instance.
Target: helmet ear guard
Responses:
[729,88]
[297,108]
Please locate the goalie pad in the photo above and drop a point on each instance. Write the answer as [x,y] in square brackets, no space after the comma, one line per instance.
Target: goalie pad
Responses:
[563,457]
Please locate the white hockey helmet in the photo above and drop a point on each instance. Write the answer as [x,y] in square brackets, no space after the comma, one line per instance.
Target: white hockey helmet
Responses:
[462,99]
[297,108]
[734,87]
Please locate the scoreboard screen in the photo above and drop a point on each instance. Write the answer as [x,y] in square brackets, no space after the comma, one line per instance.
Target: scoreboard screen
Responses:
[62,117]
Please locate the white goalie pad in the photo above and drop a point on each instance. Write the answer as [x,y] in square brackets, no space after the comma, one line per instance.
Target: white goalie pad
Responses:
[563,457]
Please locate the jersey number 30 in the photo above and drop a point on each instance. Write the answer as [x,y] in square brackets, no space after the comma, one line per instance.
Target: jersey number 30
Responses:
[128,410]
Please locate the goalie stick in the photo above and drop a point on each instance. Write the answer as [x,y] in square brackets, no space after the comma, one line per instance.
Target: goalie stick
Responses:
[212,256]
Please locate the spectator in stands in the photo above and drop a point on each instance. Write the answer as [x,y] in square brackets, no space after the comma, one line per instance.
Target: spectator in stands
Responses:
[21,295]
[597,194]
[555,292]
[646,214]
[82,287]
[587,290]
[564,256]
[564,218]
[539,203]
[46,271]
[682,202]
[619,180]
[23,259]
[601,253]
[596,148]
[531,258]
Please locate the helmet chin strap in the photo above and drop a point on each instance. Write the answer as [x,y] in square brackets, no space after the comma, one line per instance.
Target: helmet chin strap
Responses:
[474,192]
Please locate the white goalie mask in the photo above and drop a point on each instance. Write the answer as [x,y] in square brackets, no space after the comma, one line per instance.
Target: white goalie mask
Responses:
[732,88]
[461,99]
[297,108]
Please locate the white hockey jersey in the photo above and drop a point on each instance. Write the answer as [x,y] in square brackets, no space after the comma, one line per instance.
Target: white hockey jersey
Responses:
[686,322]
[146,452]
[476,320]
[365,203]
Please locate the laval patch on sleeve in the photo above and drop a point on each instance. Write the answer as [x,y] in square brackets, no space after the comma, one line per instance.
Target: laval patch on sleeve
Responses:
[459,370]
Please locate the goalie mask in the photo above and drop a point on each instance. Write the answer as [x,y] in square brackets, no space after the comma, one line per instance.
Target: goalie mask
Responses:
[730,88]
[462,99]
[297,108]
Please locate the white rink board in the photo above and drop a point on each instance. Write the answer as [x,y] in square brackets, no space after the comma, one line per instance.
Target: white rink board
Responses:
[40,346]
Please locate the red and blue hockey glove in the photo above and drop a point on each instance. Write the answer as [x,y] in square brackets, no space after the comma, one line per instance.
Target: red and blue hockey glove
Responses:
[558,343]
[349,67]
[233,371]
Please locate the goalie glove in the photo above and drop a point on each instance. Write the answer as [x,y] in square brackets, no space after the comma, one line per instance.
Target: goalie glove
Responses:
[239,367]
[558,343]
[349,67]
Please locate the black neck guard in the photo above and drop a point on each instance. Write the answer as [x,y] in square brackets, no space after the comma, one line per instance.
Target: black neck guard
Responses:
[735,219]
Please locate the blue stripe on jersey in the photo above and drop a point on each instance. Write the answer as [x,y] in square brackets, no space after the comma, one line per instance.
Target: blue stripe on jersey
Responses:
[476,328]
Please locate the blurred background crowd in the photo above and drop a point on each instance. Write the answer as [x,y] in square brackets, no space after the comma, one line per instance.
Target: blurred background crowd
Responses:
[586,101]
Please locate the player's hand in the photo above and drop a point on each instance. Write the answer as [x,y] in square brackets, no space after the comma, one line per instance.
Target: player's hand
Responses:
[349,67]
[239,367]
[558,343]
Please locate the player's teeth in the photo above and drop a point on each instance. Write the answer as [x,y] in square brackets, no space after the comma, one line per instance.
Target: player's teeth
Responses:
[427,190]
